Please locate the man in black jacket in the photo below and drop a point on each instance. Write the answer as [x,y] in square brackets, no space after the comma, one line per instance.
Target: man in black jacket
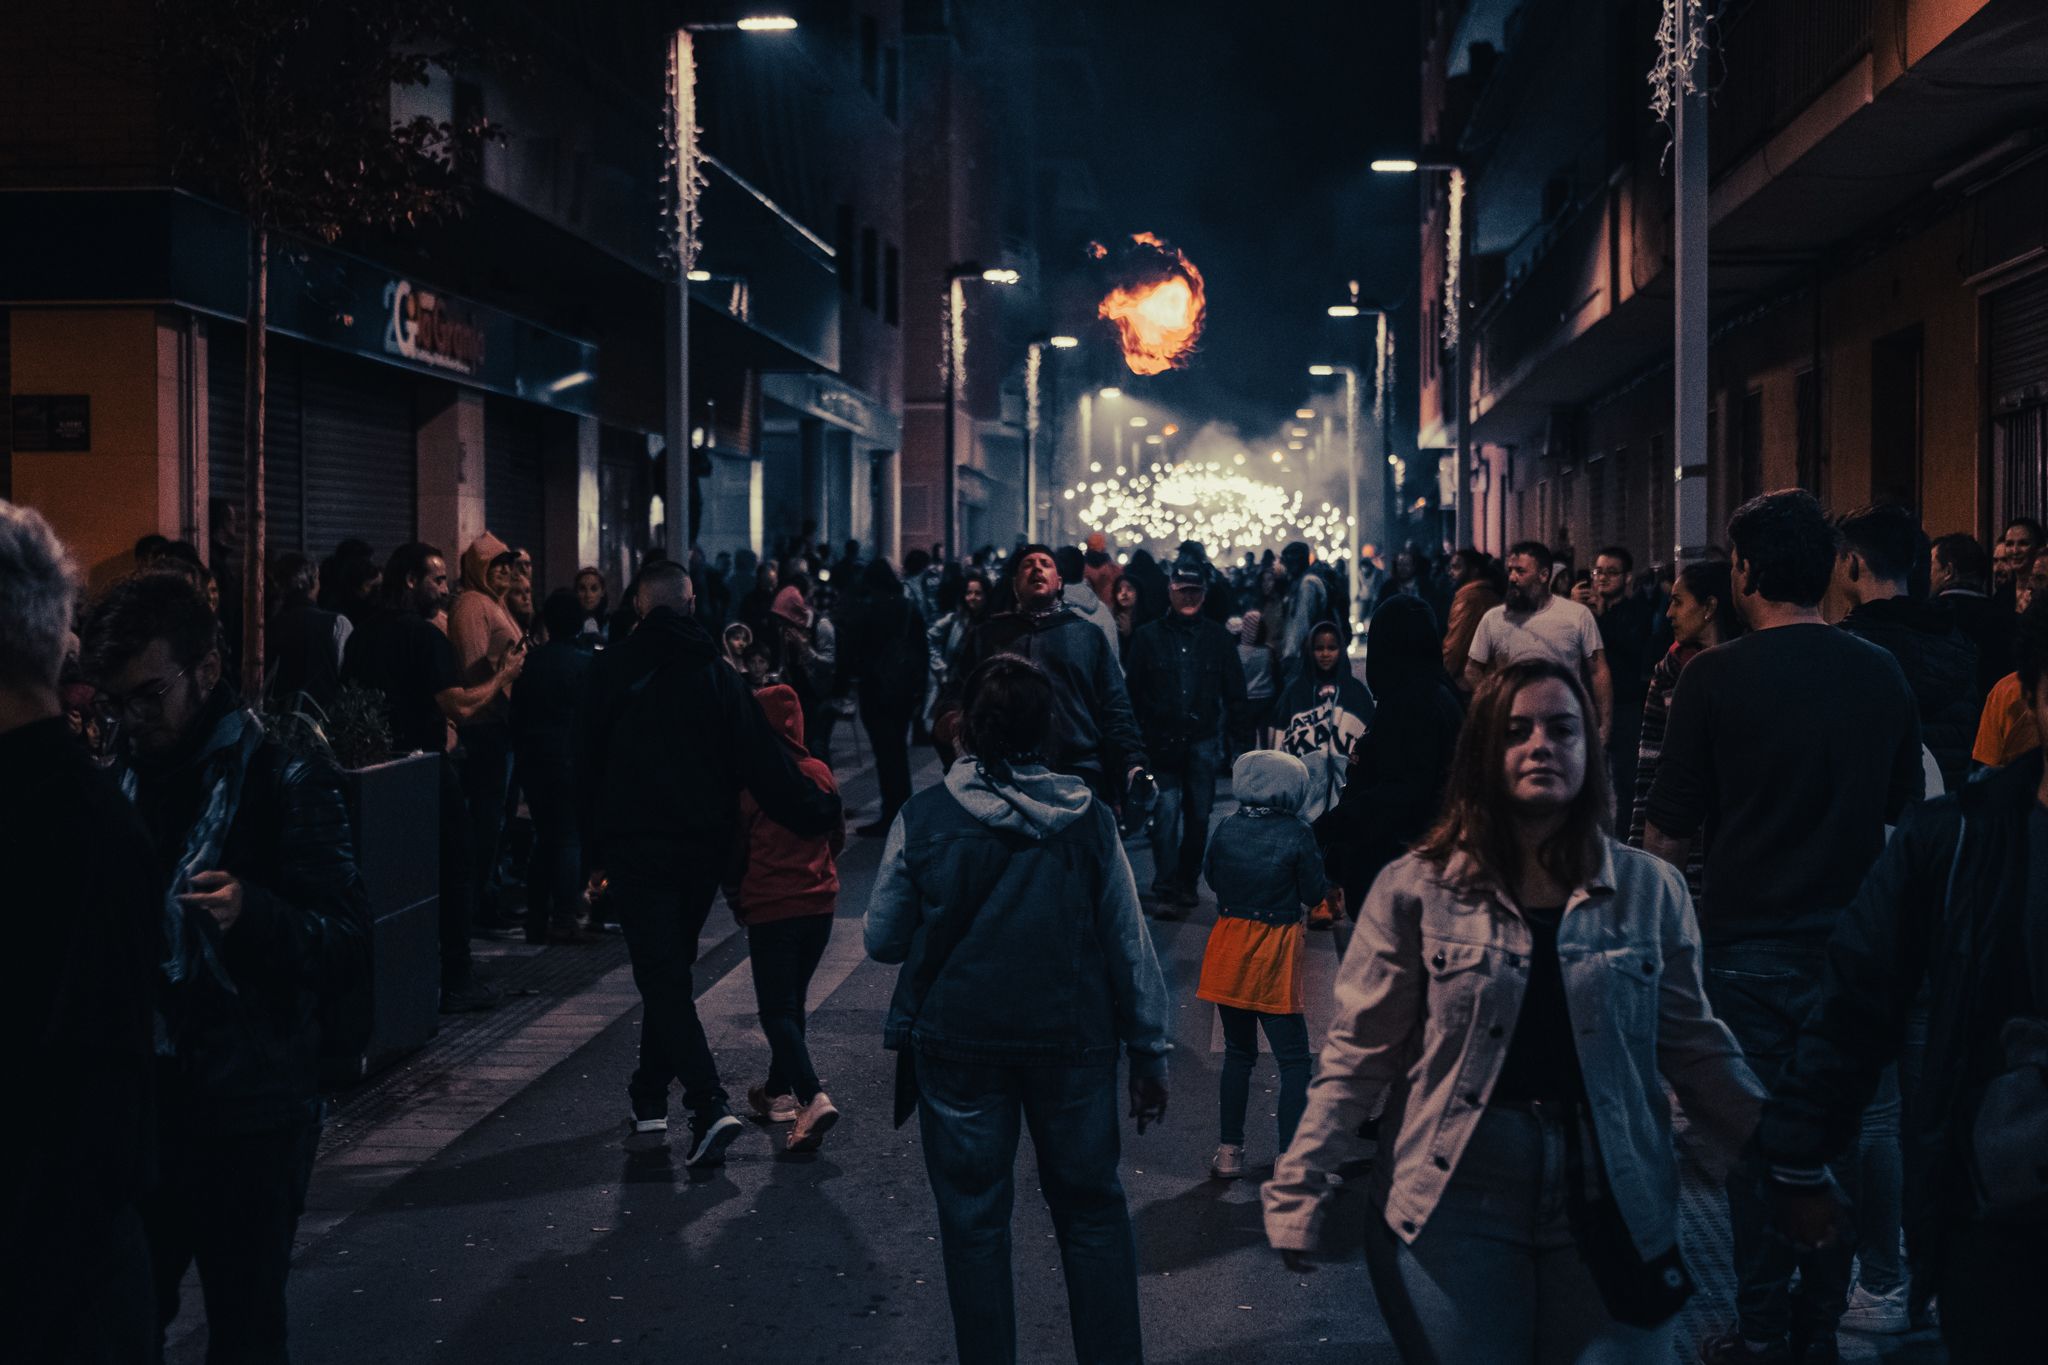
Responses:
[1095,737]
[1958,902]
[1186,681]
[1879,547]
[1959,575]
[77,1146]
[670,736]
[263,913]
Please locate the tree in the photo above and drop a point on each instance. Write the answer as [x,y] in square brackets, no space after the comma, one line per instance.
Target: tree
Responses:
[283,108]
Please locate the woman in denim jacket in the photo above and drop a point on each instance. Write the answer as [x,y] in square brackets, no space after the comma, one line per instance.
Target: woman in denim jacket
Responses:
[1518,991]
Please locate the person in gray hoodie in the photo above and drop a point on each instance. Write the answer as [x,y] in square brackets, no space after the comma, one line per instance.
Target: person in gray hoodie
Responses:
[1005,893]
[1080,596]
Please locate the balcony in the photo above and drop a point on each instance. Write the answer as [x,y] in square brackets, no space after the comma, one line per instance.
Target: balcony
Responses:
[1778,56]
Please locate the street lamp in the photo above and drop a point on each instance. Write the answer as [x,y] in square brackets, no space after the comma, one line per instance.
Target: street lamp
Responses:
[1457,242]
[1034,365]
[1382,409]
[955,361]
[681,134]
[1355,577]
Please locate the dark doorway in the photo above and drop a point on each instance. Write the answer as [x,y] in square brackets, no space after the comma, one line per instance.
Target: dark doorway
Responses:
[1895,417]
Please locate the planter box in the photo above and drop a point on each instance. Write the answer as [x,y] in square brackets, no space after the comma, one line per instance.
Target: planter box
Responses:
[395,810]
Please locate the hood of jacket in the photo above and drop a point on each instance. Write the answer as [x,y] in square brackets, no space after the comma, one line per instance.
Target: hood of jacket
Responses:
[1403,649]
[1025,800]
[1269,778]
[665,635]
[476,561]
[779,703]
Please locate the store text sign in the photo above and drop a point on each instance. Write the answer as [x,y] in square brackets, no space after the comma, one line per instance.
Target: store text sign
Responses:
[431,329]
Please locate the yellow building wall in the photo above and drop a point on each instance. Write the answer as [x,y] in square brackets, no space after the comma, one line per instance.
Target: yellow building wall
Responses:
[1915,282]
[99,500]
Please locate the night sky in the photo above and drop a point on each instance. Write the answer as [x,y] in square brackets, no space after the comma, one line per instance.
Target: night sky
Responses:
[1246,142]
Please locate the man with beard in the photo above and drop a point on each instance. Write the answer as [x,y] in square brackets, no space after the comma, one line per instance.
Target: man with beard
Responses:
[401,653]
[1094,735]
[1533,623]
[263,913]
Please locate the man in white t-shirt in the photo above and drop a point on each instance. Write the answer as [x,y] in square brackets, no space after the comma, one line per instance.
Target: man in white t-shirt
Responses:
[1534,624]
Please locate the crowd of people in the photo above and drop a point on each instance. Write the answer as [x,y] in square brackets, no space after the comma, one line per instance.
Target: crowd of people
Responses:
[1768,833]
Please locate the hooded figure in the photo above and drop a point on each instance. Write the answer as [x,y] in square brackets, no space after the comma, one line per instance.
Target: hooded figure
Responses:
[784,875]
[1396,781]
[478,625]
[1321,715]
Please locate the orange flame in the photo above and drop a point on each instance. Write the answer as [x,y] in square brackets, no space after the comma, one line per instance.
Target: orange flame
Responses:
[1159,314]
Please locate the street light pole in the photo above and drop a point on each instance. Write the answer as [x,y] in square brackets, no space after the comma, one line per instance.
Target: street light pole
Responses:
[1034,378]
[954,360]
[1457,241]
[1356,576]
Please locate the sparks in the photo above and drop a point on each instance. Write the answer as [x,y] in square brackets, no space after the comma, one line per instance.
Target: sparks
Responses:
[1159,310]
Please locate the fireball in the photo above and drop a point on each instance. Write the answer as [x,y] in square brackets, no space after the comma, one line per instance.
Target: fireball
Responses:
[1159,310]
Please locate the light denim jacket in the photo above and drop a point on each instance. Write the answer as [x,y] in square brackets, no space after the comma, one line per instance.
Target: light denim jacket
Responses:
[1426,1003]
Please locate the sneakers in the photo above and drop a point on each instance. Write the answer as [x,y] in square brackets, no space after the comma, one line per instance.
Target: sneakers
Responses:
[1228,1163]
[711,1132]
[772,1108]
[1731,1348]
[473,998]
[1888,1314]
[650,1116]
[813,1121]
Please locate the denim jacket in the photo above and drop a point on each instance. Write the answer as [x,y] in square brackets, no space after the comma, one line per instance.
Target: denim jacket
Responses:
[1426,1004]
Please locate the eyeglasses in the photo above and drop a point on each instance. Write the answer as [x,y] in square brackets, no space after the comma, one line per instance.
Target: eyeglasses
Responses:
[144,703]
[1607,573]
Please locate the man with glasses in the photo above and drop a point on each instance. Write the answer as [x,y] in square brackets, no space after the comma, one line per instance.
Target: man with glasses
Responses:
[262,913]
[1625,627]
[76,1147]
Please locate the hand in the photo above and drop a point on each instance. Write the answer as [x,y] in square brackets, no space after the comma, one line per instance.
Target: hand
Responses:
[1582,593]
[514,661]
[1297,1262]
[1148,1101]
[1810,1218]
[1140,787]
[219,894]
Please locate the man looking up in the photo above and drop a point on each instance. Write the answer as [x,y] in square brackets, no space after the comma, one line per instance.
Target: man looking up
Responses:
[1094,735]
[669,736]
[1794,745]
[1532,623]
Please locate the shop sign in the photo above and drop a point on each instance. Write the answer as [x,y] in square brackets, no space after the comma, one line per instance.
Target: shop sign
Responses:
[432,329]
[52,421]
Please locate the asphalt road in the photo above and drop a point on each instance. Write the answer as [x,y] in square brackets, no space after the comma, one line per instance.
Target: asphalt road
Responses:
[544,1232]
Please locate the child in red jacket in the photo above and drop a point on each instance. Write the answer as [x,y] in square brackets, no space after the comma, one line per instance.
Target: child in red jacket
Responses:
[784,890]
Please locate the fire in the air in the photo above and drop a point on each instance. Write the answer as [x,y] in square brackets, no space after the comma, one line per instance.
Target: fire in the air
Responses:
[1159,308]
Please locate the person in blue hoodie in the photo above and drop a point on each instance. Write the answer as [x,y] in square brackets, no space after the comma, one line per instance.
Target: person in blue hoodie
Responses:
[1005,893]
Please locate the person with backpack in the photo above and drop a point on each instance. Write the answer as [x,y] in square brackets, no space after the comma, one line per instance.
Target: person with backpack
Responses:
[783,889]
[670,736]
[1027,966]
[1957,901]
[265,926]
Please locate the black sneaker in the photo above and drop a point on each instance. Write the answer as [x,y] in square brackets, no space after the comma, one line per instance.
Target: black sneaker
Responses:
[474,998]
[711,1132]
[650,1116]
[1729,1348]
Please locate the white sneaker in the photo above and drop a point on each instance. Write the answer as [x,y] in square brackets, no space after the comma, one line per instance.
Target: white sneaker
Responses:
[1887,1314]
[772,1108]
[1228,1163]
[813,1121]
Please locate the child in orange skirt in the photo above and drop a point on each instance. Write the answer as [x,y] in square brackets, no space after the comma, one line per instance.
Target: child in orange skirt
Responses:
[1264,867]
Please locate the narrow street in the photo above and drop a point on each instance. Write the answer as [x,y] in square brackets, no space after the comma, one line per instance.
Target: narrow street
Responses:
[486,1200]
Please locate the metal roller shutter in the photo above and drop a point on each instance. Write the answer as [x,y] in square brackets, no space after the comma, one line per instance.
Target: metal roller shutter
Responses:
[2018,344]
[284,512]
[361,460]
[514,500]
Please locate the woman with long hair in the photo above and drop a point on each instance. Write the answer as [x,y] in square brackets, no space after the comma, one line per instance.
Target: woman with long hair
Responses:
[964,598]
[1702,614]
[1520,989]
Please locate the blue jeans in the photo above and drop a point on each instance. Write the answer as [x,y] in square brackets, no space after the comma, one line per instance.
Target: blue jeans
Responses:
[1180,822]
[968,1116]
[1880,1190]
[1763,992]
[1494,1278]
[1287,1036]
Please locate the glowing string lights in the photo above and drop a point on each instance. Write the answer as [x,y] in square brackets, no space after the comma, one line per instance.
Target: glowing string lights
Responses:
[1227,511]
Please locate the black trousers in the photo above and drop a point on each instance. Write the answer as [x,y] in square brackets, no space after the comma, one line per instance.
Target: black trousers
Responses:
[662,896]
[1989,1277]
[486,780]
[230,1204]
[888,725]
[554,878]
[84,1293]
[784,955]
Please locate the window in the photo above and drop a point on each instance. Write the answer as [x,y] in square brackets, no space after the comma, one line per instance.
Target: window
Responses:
[870,278]
[842,244]
[870,55]
[892,285]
